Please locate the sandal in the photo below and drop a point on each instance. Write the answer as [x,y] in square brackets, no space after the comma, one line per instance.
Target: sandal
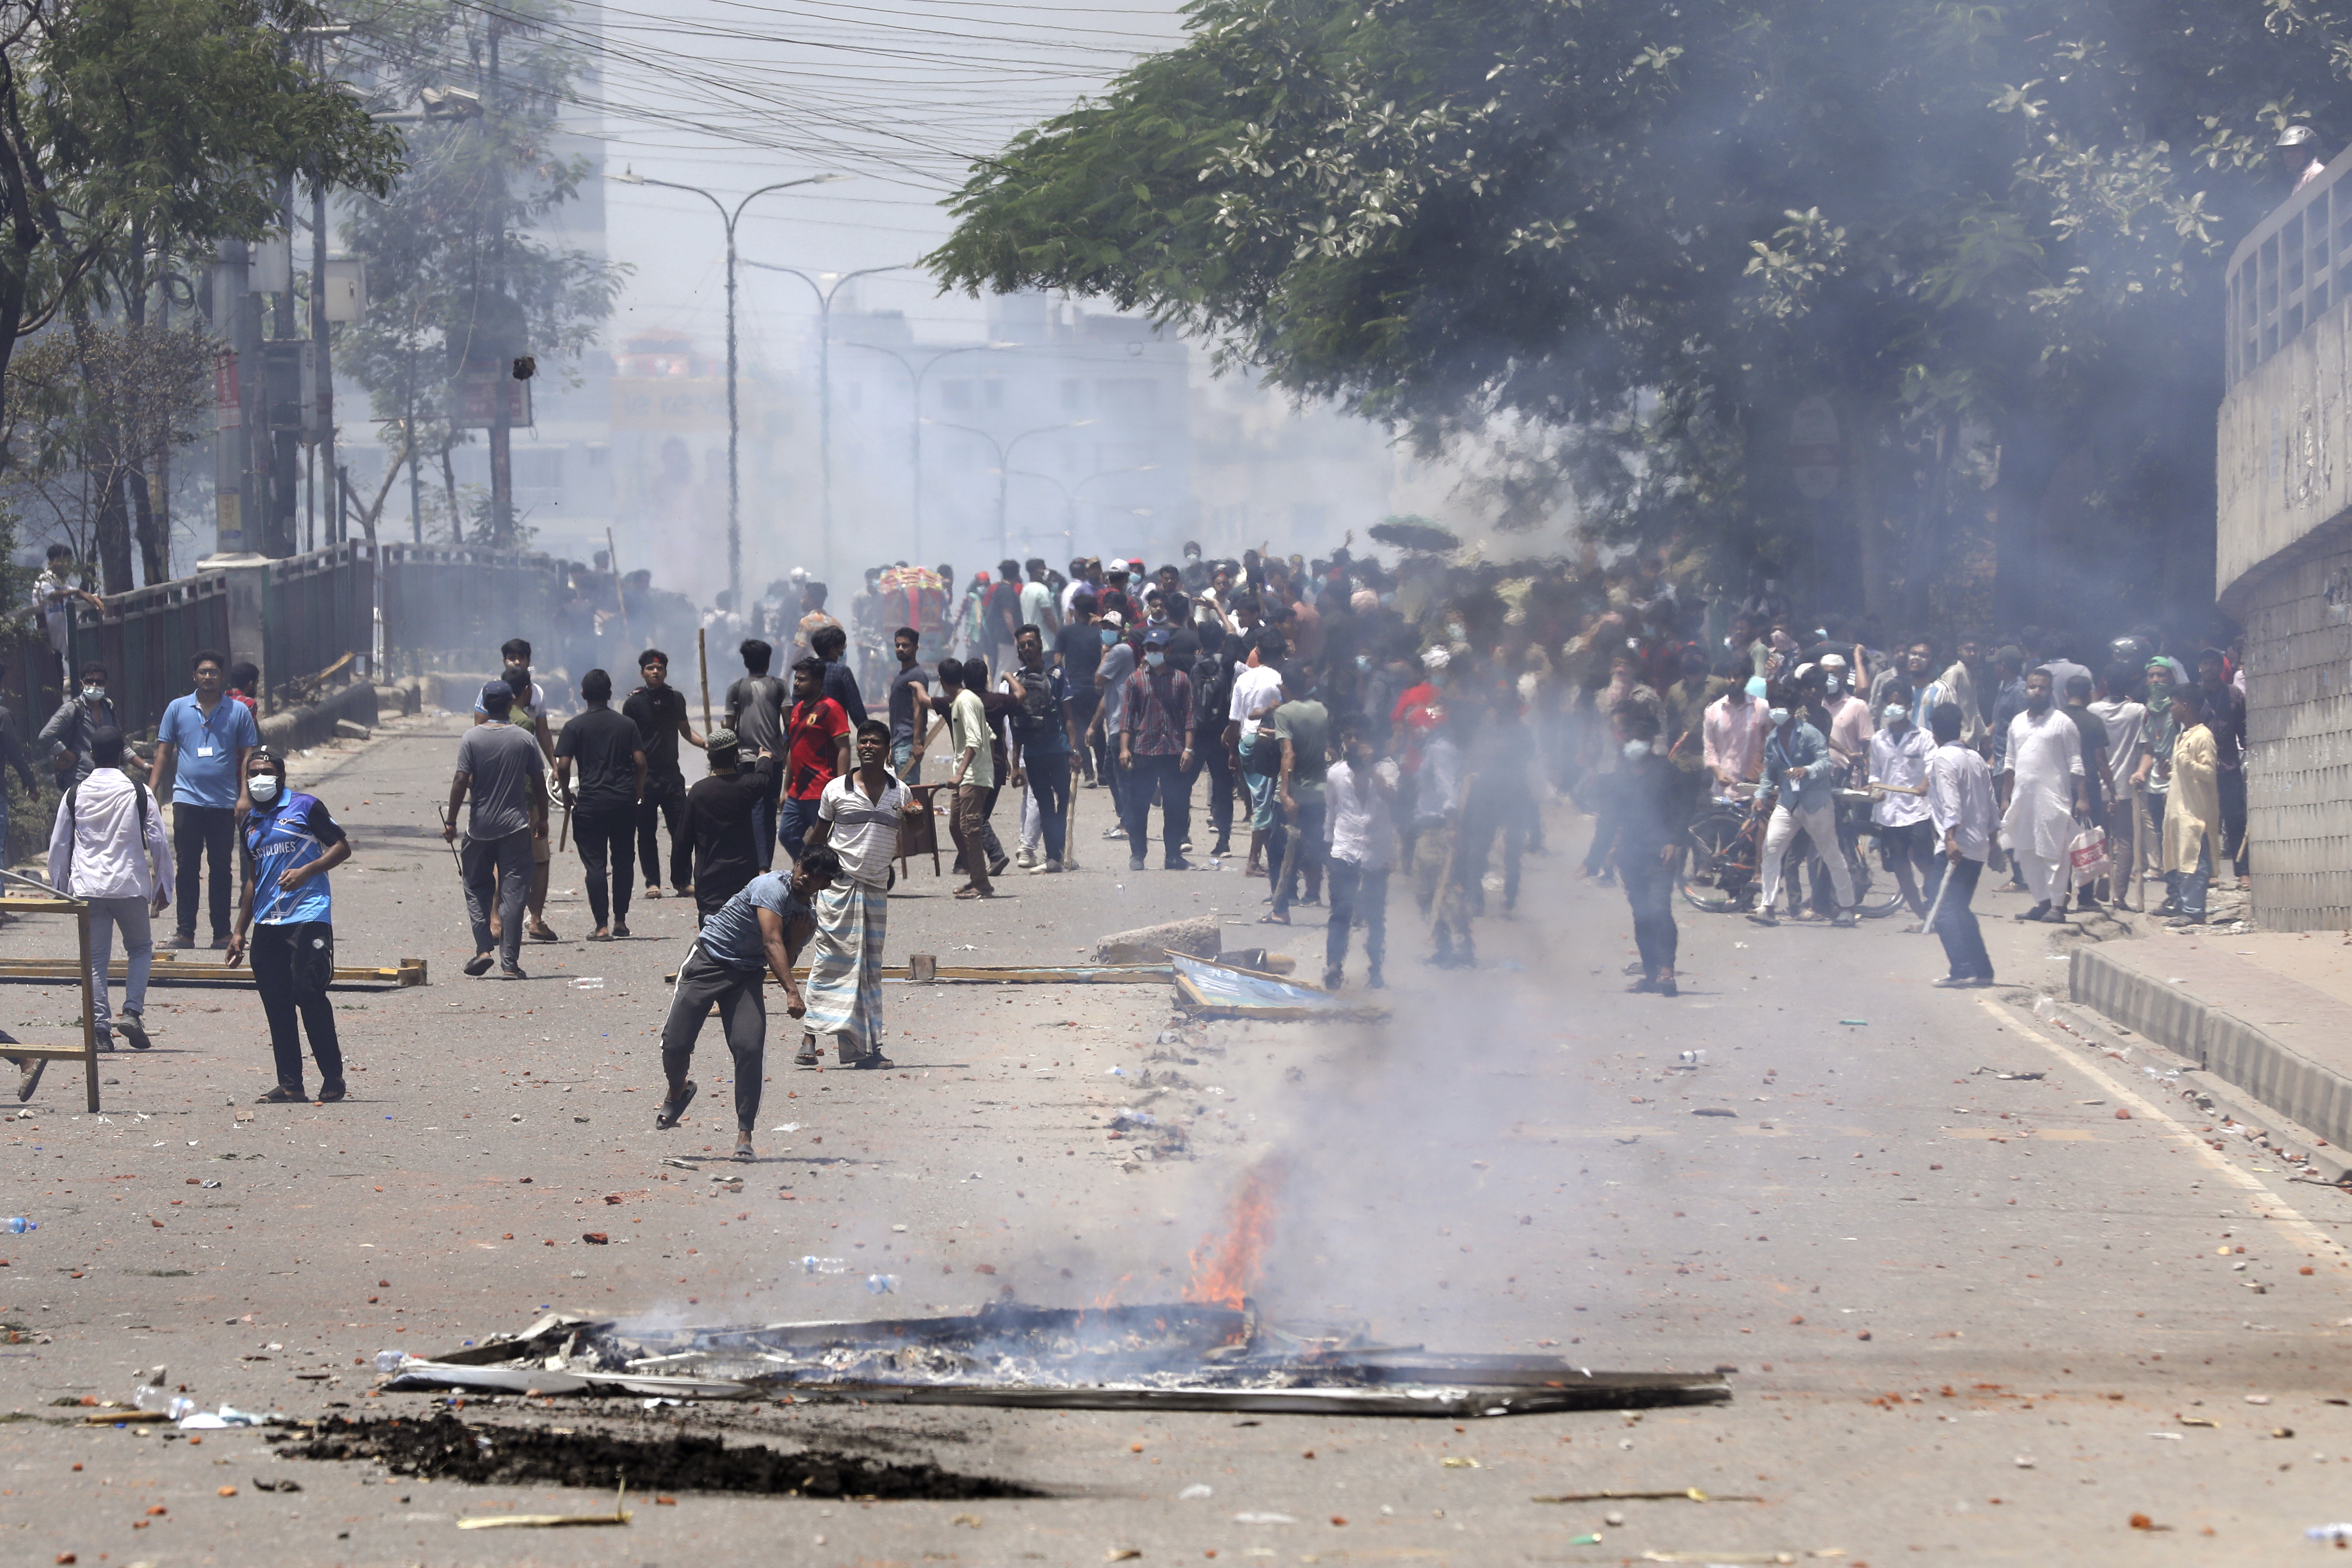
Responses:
[972,893]
[281,1095]
[1273,920]
[667,1116]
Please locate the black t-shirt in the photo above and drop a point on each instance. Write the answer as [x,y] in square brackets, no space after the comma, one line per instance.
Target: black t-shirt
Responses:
[902,700]
[1081,651]
[718,824]
[602,746]
[657,711]
[1003,612]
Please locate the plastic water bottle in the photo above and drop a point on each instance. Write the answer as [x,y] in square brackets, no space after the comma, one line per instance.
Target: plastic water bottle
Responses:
[823,1265]
[18,1226]
[881,1284]
[389,1360]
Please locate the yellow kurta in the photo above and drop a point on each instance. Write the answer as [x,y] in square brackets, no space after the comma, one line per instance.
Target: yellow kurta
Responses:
[2192,815]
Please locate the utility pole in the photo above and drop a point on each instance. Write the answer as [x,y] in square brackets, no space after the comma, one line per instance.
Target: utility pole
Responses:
[325,416]
[501,428]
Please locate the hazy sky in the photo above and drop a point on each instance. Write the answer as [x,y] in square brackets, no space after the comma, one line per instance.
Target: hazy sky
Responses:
[897,95]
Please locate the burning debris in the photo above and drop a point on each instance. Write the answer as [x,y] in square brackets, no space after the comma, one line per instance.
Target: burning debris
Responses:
[1186,1356]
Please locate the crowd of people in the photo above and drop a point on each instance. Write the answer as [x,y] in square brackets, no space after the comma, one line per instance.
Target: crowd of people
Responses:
[1331,721]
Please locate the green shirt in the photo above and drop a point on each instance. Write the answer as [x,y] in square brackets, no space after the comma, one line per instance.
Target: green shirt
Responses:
[1306,725]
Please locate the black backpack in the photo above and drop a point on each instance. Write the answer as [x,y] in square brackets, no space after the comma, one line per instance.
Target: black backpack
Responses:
[1039,709]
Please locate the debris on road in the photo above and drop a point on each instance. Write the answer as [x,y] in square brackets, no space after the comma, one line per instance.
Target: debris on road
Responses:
[1688,1494]
[620,1515]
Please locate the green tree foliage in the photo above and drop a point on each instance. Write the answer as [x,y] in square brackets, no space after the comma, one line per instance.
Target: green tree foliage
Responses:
[458,274]
[1632,236]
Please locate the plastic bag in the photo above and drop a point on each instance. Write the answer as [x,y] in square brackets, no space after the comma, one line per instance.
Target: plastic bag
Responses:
[2088,855]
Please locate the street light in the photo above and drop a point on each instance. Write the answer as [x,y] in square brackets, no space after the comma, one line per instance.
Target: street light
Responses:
[1070,495]
[734,484]
[916,420]
[1004,463]
[825,378]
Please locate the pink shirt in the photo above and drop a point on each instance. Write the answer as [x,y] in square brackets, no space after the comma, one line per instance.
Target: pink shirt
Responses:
[1735,737]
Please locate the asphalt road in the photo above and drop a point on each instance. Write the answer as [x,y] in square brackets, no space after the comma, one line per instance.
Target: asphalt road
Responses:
[1973,1318]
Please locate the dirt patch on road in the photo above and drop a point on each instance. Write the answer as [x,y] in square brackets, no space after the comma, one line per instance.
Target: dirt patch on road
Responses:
[443,1447]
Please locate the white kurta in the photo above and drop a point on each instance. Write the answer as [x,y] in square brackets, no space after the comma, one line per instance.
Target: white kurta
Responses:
[2046,756]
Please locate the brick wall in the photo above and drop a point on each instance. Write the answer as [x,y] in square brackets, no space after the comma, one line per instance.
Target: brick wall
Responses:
[2298,624]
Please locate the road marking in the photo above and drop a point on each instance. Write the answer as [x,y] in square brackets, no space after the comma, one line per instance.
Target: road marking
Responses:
[2279,1208]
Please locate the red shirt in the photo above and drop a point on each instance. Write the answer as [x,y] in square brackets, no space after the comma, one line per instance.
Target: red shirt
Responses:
[814,729]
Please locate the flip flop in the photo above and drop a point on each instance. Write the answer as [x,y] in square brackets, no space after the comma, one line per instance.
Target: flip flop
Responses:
[1273,920]
[972,893]
[667,1116]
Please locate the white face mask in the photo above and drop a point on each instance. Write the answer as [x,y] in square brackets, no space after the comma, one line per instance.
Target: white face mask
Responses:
[1778,716]
[1155,658]
[93,694]
[1636,750]
[262,788]
[1896,713]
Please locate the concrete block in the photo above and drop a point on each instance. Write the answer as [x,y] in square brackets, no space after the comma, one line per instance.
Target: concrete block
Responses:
[1199,937]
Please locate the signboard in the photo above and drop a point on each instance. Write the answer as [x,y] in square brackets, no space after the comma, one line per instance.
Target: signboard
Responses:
[1816,456]
[473,401]
[228,412]
[670,406]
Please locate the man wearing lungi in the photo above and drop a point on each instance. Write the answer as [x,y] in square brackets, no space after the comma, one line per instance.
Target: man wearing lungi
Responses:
[858,818]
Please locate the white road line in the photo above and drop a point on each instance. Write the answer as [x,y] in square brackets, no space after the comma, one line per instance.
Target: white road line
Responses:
[2278,1208]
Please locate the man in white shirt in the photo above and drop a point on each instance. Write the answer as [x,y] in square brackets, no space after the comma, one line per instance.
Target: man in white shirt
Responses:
[1360,799]
[1899,773]
[2042,775]
[1257,692]
[857,816]
[1038,607]
[1734,729]
[108,847]
[1437,824]
[1960,805]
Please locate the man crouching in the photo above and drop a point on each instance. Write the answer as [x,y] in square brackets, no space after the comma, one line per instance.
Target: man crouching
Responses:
[759,931]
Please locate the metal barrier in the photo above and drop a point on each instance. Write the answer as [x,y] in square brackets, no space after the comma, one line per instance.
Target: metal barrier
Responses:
[449,607]
[316,610]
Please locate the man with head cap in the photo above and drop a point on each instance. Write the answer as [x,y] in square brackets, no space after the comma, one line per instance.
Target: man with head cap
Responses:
[2042,781]
[723,821]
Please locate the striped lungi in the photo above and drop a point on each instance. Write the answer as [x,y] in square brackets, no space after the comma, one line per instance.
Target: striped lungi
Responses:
[845,981]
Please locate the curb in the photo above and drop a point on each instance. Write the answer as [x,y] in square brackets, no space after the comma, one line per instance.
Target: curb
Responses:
[2249,1066]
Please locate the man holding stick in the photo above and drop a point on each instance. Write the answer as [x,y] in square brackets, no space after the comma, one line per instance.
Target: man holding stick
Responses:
[857,819]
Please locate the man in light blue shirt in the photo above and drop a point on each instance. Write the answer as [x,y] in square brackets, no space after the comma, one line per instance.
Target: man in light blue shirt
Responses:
[202,746]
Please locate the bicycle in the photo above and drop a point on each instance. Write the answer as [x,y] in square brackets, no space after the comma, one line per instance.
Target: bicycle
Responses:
[1722,876]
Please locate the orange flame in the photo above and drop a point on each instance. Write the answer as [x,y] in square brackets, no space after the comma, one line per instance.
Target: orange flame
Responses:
[1225,1269]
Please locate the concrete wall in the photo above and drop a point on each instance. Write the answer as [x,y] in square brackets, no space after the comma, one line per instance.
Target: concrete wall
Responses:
[2298,622]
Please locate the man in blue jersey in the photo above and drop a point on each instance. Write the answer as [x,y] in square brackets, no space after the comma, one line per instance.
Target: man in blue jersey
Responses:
[290,845]
[759,932]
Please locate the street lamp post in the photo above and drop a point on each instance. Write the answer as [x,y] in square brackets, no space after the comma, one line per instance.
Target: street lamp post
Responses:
[1070,495]
[915,420]
[734,481]
[1004,463]
[824,379]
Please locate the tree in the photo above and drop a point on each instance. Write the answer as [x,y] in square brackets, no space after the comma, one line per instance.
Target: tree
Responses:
[1636,237]
[460,283]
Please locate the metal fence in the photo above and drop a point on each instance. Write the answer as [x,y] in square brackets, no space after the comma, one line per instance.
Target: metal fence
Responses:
[450,606]
[317,610]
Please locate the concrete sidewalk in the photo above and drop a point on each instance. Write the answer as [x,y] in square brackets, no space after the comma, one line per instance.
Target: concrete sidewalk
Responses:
[2270,1012]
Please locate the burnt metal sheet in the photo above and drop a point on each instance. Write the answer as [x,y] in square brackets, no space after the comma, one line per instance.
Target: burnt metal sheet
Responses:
[1209,989]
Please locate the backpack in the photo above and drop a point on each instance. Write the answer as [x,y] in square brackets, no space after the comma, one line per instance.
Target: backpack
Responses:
[1039,707]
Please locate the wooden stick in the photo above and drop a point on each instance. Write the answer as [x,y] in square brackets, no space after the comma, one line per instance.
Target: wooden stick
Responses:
[613,559]
[702,659]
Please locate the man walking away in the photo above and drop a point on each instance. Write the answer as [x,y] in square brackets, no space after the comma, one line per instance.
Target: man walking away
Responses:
[108,849]
[817,735]
[528,713]
[910,706]
[2192,812]
[1898,777]
[1155,745]
[500,767]
[755,711]
[1960,807]
[973,778]
[1799,787]
[610,755]
[2042,782]
[1652,807]
[758,933]
[1041,734]
[1257,692]
[858,820]
[202,747]
[82,714]
[837,680]
[1437,834]
[1361,798]
[658,710]
[1302,726]
[720,813]
[2125,719]
[1078,653]
[290,844]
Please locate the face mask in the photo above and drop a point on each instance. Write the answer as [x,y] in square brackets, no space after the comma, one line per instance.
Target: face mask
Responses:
[93,694]
[1896,713]
[1454,632]
[1636,750]
[1110,637]
[1155,658]
[1778,716]
[1363,661]
[263,787]
[1756,687]
[1833,686]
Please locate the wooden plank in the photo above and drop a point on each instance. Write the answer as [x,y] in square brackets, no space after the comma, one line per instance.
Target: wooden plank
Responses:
[19,1053]
[409,972]
[1074,974]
